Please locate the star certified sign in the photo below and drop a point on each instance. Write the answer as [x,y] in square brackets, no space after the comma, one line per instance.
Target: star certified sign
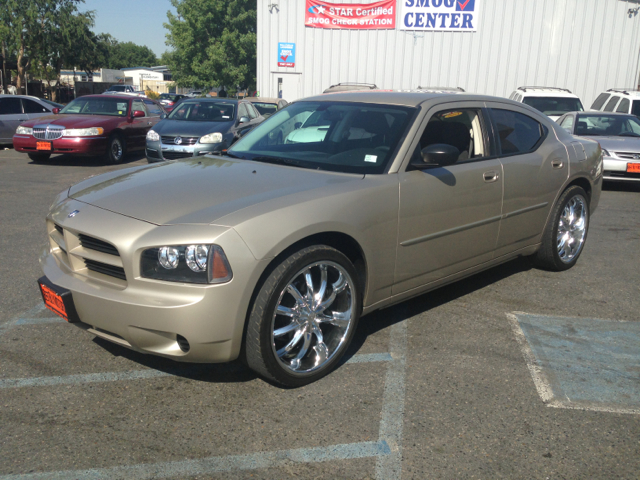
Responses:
[440,15]
[353,16]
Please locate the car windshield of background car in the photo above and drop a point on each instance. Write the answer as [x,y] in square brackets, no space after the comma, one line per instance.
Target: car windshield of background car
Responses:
[266,109]
[554,105]
[608,126]
[97,106]
[203,112]
[335,136]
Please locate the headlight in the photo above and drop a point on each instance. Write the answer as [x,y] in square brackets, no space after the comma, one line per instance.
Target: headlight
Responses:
[606,154]
[24,131]
[153,136]
[212,138]
[186,263]
[83,132]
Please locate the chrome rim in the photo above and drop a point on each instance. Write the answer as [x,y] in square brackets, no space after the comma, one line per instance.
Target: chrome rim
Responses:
[313,316]
[572,229]
[116,149]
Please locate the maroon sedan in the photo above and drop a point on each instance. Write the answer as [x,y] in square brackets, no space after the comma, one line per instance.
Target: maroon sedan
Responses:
[102,125]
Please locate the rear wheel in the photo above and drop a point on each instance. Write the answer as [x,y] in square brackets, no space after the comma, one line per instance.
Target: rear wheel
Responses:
[115,149]
[39,157]
[565,234]
[304,317]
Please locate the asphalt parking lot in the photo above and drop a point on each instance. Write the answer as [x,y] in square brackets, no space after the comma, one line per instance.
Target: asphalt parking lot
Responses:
[513,373]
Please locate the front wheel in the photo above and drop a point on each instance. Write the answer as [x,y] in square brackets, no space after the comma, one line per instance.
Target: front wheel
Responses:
[303,317]
[115,149]
[565,234]
[39,157]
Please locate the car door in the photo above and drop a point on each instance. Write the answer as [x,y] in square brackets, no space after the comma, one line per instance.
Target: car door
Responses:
[11,115]
[155,111]
[535,166]
[242,128]
[449,217]
[139,125]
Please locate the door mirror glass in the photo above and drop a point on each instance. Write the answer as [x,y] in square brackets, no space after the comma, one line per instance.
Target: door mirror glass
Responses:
[243,119]
[56,110]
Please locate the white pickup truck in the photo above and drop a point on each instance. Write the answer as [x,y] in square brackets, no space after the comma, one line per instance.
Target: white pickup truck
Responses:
[123,89]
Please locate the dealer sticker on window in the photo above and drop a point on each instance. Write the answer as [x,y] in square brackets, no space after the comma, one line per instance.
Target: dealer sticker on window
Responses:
[370,158]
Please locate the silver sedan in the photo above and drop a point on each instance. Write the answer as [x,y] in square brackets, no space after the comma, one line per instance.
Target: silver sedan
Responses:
[273,252]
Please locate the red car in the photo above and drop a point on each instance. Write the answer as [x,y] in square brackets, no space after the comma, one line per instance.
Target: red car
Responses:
[101,125]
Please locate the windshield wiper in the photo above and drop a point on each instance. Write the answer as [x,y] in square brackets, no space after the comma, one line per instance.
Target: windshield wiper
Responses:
[225,153]
[277,161]
[628,134]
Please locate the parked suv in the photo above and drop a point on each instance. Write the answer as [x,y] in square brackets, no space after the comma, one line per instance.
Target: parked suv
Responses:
[619,100]
[553,102]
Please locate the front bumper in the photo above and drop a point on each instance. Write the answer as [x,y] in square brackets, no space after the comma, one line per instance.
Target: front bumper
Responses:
[159,152]
[616,169]
[147,315]
[68,145]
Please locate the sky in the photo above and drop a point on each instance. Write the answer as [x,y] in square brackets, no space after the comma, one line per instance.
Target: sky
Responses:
[137,21]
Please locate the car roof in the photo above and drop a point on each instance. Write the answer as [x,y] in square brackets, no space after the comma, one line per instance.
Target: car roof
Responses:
[545,92]
[410,98]
[600,113]
[19,96]
[632,92]
[265,99]
[212,100]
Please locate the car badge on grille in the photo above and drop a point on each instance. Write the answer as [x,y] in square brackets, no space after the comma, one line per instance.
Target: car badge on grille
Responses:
[73,214]
[178,140]
[636,157]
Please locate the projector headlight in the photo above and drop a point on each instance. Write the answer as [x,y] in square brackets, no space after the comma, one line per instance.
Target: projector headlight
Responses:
[83,132]
[186,263]
[215,137]
[24,131]
[153,136]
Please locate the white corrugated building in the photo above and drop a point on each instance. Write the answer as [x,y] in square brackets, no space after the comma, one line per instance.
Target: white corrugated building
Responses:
[586,46]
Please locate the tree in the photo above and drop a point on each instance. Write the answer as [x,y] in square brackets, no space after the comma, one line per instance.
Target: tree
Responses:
[216,40]
[128,54]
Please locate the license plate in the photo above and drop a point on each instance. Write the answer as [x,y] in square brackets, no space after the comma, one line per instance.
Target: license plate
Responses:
[43,146]
[58,300]
[633,167]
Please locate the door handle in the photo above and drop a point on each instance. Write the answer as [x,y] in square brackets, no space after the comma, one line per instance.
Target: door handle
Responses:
[557,163]
[490,177]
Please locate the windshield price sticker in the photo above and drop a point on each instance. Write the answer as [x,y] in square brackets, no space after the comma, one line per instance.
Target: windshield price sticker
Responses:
[351,16]
[370,158]
[440,15]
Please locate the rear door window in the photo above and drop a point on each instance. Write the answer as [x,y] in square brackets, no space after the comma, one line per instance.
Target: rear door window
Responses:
[611,104]
[624,106]
[517,133]
[635,108]
[154,109]
[138,105]
[10,106]
[33,107]
[599,102]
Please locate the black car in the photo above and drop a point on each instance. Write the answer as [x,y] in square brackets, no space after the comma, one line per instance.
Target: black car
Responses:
[199,126]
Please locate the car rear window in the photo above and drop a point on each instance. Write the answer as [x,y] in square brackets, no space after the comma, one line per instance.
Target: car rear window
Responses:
[195,111]
[266,109]
[554,105]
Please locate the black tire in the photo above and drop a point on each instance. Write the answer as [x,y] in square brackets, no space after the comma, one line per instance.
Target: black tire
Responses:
[552,255]
[116,149]
[39,157]
[261,339]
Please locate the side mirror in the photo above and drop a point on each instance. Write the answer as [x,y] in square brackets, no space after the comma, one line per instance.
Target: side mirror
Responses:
[439,154]
[56,110]
[244,120]
[297,125]
[163,116]
[138,114]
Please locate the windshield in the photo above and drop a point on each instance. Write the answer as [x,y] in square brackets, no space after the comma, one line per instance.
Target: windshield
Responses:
[203,112]
[168,96]
[266,109]
[53,104]
[608,125]
[554,105]
[336,136]
[97,106]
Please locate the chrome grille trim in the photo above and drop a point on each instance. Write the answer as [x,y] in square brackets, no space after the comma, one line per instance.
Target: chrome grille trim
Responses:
[47,132]
[628,155]
[170,140]
[99,245]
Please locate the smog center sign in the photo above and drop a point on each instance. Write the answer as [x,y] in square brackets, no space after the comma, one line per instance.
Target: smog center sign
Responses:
[352,16]
[439,15]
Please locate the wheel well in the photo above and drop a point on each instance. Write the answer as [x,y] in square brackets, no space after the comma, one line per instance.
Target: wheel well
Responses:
[584,184]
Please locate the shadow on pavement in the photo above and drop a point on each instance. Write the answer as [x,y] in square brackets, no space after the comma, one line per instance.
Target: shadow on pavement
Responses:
[76,161]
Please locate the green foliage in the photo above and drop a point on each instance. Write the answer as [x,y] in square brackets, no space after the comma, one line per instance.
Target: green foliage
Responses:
[128,54]
[216,40]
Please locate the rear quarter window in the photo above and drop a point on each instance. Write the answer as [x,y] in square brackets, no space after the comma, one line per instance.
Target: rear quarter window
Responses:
[599,102]
[517,133]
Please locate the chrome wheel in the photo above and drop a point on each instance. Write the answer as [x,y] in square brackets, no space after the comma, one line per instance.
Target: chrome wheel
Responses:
[572,228]
[116,149]
[313,317]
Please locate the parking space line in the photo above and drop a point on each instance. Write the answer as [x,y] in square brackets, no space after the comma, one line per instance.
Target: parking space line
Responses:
[150,373]
[37,321]
[389,467]
[211,465]
[28,314]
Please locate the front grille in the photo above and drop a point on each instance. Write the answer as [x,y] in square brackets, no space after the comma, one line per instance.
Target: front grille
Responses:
[628,155]
[105,269]
[176,155]
[171,140]
[94,244]
[49,132]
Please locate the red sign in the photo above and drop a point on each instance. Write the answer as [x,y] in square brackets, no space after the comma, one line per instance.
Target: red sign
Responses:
[352,16]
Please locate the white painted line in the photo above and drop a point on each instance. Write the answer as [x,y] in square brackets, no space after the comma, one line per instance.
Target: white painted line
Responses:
[150,373]
[38,321]
[211,465]
[29,313]
[542,383]
[389,467]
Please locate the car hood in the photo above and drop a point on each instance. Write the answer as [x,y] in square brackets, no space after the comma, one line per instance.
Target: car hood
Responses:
[618,144]
[199,191]
[191,129]
[73,121]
